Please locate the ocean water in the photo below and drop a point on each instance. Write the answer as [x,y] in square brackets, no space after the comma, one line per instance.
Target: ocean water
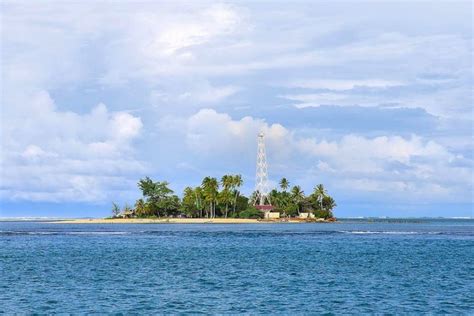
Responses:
[353,266]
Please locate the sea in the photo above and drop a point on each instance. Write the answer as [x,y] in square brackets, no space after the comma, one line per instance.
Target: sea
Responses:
[353,266]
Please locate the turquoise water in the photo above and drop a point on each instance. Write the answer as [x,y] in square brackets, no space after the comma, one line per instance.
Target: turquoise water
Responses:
[414,266]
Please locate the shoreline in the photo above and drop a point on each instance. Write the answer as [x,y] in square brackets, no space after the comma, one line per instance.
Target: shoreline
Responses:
[184,221]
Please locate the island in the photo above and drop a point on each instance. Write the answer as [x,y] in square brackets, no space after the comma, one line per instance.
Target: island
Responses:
[215,201]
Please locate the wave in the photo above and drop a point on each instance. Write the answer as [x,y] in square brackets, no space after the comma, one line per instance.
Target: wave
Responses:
[64,233]
[363,232]
[98,233]
[241,234]
[444,233]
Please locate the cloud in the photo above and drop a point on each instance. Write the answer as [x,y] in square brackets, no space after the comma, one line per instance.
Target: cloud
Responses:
[209,133]
[449,103]
[192,95]
[341,85]
[210,95]
[169,43]
[318,99]
[354,154]
[52,155]
[396,166]
[190,65]
[178,49]
[215,21]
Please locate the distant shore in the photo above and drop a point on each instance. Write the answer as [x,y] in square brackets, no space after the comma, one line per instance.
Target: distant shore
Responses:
[181,221]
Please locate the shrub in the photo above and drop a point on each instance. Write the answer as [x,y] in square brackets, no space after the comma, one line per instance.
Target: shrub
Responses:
[251,212]
[322,214]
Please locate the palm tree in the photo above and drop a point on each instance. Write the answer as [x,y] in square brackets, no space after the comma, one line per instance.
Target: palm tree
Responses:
[226,181]
[188,203]
[225,195]
[284,184]
[328,203]
[198,197]
[275,199]
[140,207]
[236,184]
[210,188]
[320,193]
[207,194]
[297,196]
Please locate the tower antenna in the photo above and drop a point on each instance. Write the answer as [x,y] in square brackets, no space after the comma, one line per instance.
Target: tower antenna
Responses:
[262,200]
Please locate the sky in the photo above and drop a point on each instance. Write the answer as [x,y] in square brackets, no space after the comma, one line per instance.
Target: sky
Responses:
[372,99]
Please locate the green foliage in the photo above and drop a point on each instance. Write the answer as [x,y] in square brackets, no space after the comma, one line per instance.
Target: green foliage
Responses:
[230,193]
[297,197]
[210,189]
[225,196]
[188,204]
[242,203]
[154,190]
[284,184]
[317,197]
[328,203]
[251,212]
[222,198]
[291,210]
[322,214]
[306,205]
[159,198]
[140,209]
[321,203]
[169,206]
[192,203]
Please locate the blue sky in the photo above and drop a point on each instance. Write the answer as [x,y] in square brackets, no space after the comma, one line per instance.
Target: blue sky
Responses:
[373,99]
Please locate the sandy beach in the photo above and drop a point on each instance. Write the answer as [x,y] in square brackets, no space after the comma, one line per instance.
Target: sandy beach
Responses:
[178,221]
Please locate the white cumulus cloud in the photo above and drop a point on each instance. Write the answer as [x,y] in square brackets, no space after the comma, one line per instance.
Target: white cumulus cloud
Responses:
[53,155]
[396,166]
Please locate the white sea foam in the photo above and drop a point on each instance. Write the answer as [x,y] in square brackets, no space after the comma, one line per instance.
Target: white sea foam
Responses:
[364,232]
[27,218]
[97,233]
[6,232]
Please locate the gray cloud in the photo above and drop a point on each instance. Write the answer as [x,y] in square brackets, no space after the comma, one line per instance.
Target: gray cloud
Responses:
[174,75]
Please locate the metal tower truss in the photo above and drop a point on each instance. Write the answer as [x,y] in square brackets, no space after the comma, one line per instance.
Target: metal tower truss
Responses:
[262,198]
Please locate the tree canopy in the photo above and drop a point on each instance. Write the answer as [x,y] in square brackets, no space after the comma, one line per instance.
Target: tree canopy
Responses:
[222,198]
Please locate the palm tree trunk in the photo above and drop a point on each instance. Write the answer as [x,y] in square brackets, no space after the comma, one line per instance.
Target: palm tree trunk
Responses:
[235,200]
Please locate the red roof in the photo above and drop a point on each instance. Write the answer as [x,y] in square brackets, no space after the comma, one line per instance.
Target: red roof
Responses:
[264,207]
